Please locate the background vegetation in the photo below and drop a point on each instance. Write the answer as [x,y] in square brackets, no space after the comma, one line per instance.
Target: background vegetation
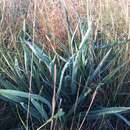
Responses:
[64,65]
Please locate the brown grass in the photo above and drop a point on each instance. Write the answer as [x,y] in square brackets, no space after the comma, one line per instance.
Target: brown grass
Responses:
[110,17]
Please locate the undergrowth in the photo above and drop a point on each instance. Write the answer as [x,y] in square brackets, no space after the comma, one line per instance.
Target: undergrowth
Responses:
[76,79]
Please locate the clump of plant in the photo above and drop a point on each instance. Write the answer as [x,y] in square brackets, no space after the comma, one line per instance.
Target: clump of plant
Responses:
[75,91]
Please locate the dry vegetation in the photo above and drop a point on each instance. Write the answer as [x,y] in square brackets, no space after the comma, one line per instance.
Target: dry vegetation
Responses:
[110,17]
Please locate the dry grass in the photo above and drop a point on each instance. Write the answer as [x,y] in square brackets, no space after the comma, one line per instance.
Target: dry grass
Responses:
[110,17]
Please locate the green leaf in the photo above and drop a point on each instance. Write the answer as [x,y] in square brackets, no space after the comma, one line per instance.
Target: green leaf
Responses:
[40,109]
[16,96]
[39,53]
